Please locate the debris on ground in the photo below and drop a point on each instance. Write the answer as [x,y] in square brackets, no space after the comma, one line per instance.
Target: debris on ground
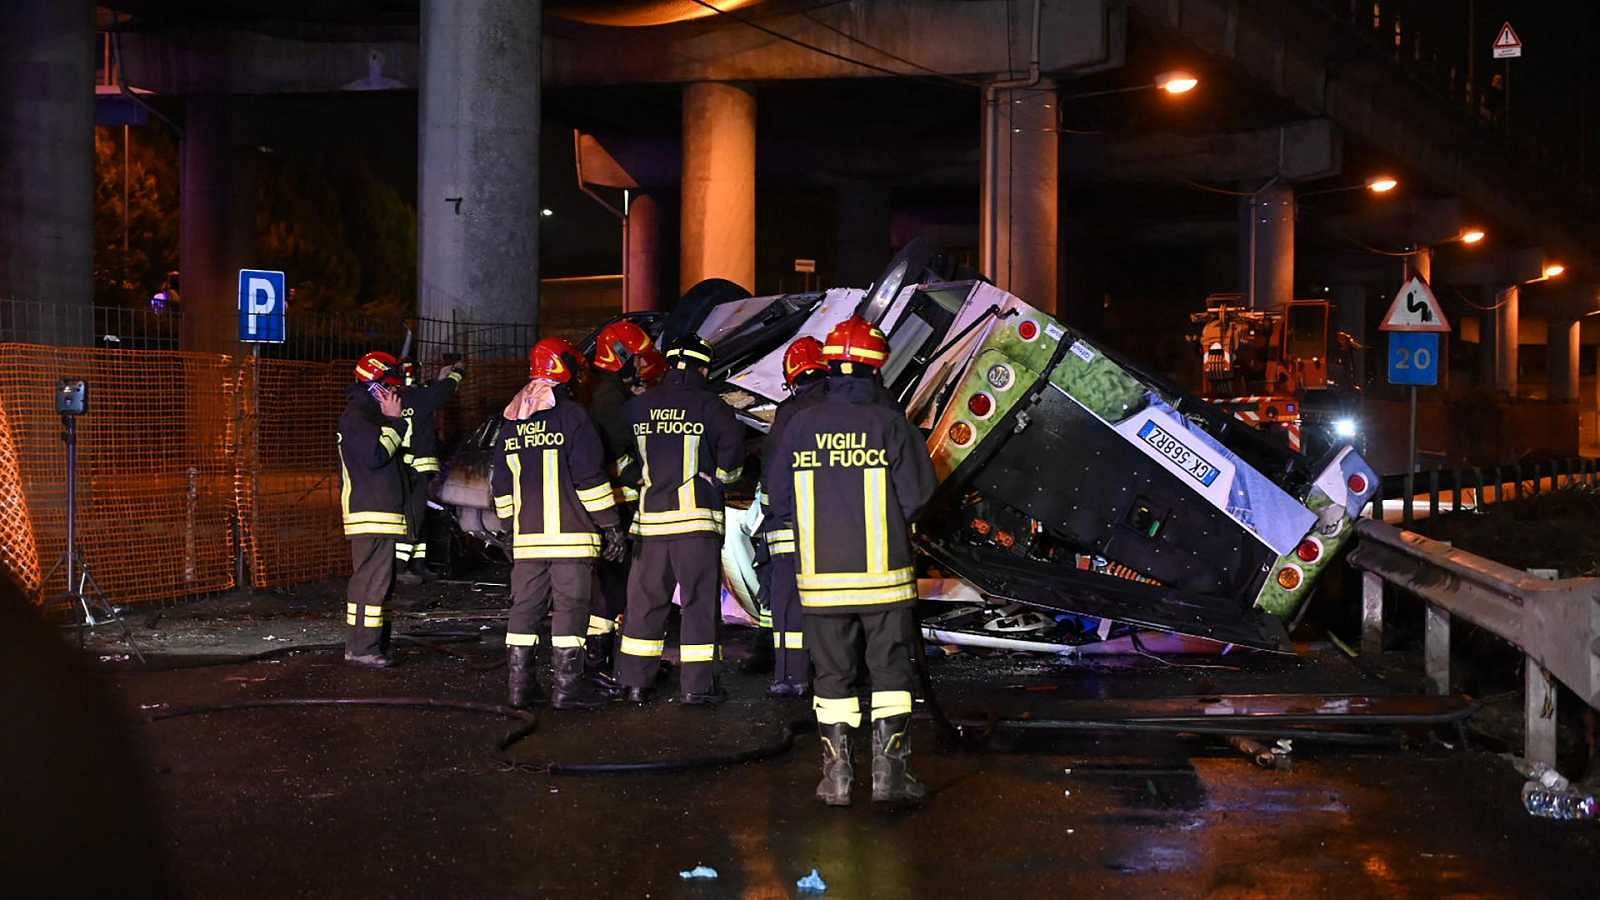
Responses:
[705,872]
[812,883]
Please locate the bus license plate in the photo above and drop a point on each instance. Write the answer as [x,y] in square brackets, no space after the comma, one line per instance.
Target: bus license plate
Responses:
[1179,452]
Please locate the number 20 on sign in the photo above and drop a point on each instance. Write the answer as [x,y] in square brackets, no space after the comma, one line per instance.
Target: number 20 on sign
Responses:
[1414,358]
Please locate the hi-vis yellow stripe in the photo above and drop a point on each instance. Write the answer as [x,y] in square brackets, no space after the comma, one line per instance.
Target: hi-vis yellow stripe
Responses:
[551,483]
[601,491]
[514,466]
[834,597]
[521,640]
[729,476]
[389,438]
[832,581]
[837,711]
[888,704]
[691,469]
[805,518]
[694,653]
[640,647]
[875,491]
[864,353]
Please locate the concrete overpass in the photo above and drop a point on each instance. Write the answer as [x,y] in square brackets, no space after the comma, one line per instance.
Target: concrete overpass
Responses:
[481,69]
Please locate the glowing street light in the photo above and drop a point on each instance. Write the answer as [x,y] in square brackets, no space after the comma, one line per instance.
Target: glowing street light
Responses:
[1554,270]
[1176,82]
[1382,184]
[1472,236]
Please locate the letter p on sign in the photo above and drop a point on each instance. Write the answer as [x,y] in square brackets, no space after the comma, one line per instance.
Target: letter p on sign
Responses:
[261,306]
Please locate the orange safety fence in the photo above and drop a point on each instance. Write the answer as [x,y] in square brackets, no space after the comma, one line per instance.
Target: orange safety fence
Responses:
[184,459]
[288,471]
[155,467]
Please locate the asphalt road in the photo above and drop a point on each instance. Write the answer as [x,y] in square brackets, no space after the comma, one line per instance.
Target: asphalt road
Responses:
[398,803]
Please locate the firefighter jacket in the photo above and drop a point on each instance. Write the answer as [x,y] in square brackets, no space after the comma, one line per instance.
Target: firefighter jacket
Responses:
[780,537]
[607,396]
[848,476]
[690,446]
[419,439]
[371,495]
[549,481]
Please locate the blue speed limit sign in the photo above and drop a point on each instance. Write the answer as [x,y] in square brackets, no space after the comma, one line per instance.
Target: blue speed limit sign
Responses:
[1414,358]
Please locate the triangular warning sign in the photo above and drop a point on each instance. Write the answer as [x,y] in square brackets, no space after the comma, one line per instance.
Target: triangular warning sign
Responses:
[1506,43]
[1415,309]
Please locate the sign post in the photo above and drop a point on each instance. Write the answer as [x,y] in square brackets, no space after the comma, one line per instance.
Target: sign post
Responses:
[1507,46]
[1414,322]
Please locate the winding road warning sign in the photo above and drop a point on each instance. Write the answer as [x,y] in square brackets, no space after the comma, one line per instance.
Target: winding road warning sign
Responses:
[1415,308]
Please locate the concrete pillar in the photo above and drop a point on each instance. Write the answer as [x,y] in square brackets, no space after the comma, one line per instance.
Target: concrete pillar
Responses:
[1507,303]
[47,163]
[863,240]
[216,221]
[1563,348]
[1020,196]
[1266,236]
[478,160]
[642,267]
[1420,263]
[1350,316]
[717,235]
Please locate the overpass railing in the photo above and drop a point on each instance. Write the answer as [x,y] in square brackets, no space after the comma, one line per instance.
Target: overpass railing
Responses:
[1556,624]
[1442,491]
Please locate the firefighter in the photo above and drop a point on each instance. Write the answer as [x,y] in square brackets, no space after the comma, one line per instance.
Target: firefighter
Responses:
[372,502]
[848,476]
[651,367]
[549,481]
[804,369]
[419,442]
[621,350]
[689,446]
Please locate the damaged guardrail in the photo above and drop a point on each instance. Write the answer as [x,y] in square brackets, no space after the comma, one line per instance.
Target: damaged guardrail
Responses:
[1555,623]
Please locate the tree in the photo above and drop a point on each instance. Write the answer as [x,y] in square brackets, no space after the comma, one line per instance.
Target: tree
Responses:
[129,278]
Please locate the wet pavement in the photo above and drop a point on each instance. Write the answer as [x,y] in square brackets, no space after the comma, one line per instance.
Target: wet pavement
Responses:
[410,803]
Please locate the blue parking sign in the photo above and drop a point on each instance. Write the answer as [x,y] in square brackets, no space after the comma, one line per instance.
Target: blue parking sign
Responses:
[1414,358]
[263,301]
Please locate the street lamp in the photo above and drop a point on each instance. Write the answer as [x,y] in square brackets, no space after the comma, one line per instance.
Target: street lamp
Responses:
[1176,82]
[1377,184]
[1471,236]
[1554,270]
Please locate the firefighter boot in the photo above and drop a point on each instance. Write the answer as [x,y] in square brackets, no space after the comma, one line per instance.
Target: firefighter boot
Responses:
[524,688]
[891,776]
[837,772]
[571,691]
[597,663]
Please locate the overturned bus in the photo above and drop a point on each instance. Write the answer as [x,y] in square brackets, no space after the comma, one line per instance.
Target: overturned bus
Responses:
[1080,498]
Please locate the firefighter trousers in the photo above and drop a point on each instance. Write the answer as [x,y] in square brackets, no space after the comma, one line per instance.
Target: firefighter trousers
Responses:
[611,595]
[791,663]
[559,588]
[415,544]
[371,578]
[840,643]
[694,564]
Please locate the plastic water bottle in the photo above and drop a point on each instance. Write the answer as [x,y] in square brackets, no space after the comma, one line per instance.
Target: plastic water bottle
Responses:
[1558,804]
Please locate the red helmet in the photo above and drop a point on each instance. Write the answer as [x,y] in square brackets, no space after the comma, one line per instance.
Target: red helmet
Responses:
[618,344]
[554,359]
[377,366]
[855,340]
[804,355]
[650,366]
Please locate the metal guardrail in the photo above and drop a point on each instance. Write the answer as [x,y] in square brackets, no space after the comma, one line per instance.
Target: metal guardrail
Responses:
[1556,624]
[1449,490]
